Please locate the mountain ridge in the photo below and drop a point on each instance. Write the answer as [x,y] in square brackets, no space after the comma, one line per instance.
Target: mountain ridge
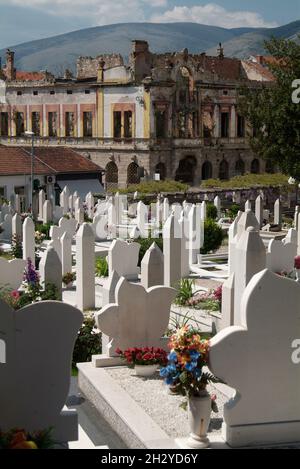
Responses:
[58,52]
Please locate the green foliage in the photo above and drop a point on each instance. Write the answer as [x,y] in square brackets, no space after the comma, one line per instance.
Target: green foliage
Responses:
[272,113]
[213,236]
[233,210]
[247,181]
[211,211]
[154,187]
[44,229]
[101,267]
[16,247]
[184,291]
[50,293]
[69,277]
[145,244]
[88,342]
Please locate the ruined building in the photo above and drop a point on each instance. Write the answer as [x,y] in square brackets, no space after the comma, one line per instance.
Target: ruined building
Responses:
[172,114]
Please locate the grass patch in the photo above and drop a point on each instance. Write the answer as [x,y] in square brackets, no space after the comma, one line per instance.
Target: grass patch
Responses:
[248,181]
[154,187]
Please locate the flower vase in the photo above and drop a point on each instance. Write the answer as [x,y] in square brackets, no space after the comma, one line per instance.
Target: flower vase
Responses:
[145,370]
[199,410]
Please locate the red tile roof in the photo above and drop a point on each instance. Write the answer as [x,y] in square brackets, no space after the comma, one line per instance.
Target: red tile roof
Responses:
[29,76]
[50,160]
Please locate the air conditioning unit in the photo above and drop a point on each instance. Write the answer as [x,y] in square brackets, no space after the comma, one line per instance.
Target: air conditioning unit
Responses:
[50,179]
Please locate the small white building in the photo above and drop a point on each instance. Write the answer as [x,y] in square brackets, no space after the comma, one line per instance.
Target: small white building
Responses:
[53,169]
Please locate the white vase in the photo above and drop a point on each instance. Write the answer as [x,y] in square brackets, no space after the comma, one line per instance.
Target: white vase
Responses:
[298,275]
[199,410]
[145,370]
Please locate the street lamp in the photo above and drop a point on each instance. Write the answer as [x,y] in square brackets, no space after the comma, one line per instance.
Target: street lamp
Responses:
[31,134]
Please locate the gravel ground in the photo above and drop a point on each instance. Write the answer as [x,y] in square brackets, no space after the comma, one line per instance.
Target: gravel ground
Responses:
[152,395]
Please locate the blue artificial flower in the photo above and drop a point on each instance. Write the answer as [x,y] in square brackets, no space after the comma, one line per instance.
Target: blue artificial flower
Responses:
[197,372]
[194,354]
[164,372]
[191,366]
[172,368]
[172,357]
[169,380]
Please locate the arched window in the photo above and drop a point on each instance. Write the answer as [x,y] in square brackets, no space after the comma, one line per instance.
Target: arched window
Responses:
[270,167]
[239,167]
[160,169]
[133,175]
[255,166]
[111,175]
[224,170]
[206,171]
[186,170]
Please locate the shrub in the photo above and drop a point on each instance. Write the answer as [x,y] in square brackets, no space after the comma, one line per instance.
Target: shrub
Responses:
[213,236]
[69,277]
[88,342]
[145,244]
[154,187]
[211,212]
[185,291]
[16,247]
[101,267]
[233,211]
[247,181]
[44,229]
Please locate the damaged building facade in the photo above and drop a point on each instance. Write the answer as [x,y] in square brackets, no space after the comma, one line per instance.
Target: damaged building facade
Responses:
[172,114]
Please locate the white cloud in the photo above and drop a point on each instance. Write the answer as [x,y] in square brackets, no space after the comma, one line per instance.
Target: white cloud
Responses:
[101,12]
[213,14]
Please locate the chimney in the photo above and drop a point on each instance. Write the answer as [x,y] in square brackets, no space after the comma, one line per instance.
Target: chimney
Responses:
[10,70]
[220,51]
[100,71]
[140,60]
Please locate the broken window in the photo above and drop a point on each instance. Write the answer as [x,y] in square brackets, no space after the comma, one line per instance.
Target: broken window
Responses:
[240,126]
[87,124]
[52,124]
[117,124]
[35,122]
[20,127]
[128,124]
[160,121]
[4,124]
[70,124]
[195,124]
[224,124]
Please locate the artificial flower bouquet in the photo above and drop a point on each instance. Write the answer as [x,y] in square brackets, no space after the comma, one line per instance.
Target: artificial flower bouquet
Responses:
[20,439]
[143,356]
[187,359]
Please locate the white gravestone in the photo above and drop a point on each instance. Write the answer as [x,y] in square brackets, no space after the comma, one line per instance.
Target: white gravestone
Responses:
[68,225]
[251,258]
[152,267]
[50,270]
[66,253]
[17,226]
[280,256]
[138,319]
[85,268]
[42,199]
[259,359]
[28,239]
[47,212]
[172,252]
[36,374]
[6,226]
[11,273]
[123,258]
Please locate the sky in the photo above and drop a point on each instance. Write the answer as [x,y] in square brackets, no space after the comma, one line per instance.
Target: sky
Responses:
[26,20]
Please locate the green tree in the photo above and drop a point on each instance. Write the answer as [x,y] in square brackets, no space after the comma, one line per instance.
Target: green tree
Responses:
[270,110]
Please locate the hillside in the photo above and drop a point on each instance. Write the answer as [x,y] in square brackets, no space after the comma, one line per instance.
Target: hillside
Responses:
[60,52]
